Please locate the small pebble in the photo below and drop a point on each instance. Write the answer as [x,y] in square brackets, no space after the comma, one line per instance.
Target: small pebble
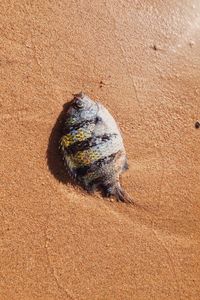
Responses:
[191,44]
[154,47]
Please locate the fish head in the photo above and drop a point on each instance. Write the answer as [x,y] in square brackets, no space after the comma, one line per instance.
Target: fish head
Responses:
[82,108]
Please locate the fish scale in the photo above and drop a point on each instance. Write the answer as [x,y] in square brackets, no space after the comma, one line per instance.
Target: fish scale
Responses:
[92,147]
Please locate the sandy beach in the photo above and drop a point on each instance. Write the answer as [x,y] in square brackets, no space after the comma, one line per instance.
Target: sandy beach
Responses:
[141,59]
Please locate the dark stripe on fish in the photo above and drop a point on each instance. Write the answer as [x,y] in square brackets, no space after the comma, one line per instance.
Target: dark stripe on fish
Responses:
[80,146]
[82,171]
[88,143]
[69,127]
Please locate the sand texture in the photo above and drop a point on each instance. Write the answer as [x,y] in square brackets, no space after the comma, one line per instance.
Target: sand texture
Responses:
[141,59]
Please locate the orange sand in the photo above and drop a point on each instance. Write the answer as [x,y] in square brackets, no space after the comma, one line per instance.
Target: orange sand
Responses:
[142,60]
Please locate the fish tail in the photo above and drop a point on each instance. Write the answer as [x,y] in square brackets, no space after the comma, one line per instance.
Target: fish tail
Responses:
[121,195]
[118,192]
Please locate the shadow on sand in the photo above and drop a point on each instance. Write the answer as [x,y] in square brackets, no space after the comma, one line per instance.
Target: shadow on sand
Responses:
[54,158]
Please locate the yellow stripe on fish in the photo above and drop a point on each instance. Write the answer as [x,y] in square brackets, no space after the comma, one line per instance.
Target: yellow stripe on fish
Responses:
[87,157]
[70,138]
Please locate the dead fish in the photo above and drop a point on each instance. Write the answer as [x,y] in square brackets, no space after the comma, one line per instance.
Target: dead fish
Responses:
[92,148]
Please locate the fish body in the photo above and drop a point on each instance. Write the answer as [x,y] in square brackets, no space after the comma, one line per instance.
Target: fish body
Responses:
[92,147]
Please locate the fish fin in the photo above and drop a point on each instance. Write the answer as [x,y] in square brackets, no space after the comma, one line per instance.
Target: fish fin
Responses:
[118,193]
[122,196]
[125,166]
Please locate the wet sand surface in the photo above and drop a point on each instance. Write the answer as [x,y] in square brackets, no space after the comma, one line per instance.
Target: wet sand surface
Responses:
[142,60]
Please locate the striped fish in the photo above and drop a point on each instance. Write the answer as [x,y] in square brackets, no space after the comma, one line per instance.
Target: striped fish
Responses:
[92,147]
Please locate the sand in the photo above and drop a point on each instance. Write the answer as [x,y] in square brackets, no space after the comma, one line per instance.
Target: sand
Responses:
[141,59]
